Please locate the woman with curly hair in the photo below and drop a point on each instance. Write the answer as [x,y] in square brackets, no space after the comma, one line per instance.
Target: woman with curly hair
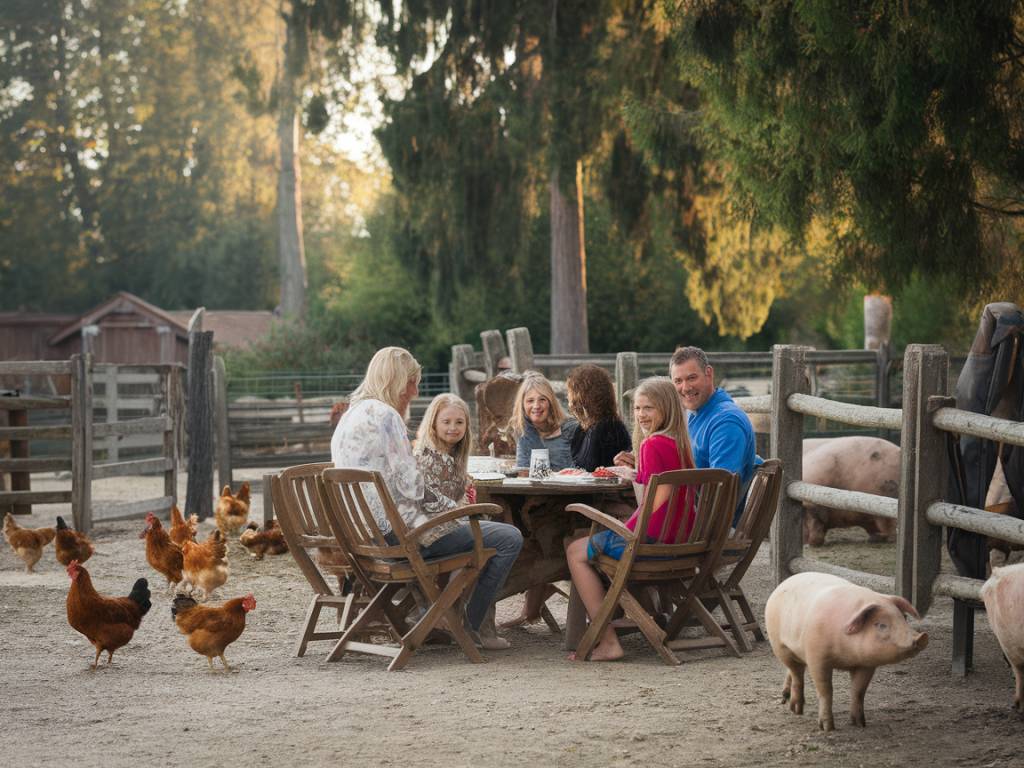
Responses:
[601,434]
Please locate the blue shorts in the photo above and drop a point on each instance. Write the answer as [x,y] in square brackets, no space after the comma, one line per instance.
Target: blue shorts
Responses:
[610,544]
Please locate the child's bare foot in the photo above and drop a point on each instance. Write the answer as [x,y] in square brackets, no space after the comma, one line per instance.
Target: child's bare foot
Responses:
[607,652]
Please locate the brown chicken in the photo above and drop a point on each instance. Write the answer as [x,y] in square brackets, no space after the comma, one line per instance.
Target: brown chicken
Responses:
[162,553]
[71,544]
[107,622]
[182,529]
[232,512]
[27,543]
[269,541]
[211,629]
[205,564]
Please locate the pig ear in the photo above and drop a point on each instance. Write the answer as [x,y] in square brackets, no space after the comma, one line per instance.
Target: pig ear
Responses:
[904,605]
[861,618]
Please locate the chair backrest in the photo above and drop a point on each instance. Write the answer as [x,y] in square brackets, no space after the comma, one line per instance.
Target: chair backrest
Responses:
[303,521]
[350,513]
[711,495]
[756,520]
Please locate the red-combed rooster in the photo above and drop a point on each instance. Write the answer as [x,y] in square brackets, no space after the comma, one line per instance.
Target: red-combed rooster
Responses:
[232,512]
[211,629]
[107,622]
[162,553]
[182,529]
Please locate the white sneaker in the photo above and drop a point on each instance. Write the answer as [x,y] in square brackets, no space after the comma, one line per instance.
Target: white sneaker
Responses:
[494,643]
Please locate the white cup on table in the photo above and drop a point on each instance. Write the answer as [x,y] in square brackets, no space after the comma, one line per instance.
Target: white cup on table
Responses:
[540,463]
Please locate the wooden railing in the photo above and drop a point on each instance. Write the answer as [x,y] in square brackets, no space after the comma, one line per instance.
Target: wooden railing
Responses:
[82,436]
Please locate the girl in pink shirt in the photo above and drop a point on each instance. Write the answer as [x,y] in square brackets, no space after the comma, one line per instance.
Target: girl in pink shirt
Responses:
[663,444]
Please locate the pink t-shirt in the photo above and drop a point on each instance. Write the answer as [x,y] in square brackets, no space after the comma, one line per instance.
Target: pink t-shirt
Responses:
[659,453]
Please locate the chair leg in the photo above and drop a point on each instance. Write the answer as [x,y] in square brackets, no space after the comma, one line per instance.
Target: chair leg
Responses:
[575,621]
[710,624]
[655,635]
[729,611]
[374,609]
[309,626]
[751,621]
[549,619]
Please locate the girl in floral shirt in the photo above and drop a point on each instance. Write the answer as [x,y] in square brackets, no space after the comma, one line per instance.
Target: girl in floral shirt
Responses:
[442,454]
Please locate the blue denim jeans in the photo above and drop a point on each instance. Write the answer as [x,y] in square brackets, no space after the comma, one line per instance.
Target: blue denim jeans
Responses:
[500,536]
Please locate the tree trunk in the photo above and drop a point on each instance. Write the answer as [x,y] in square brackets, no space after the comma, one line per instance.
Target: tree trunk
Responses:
[568,267]
[290,249]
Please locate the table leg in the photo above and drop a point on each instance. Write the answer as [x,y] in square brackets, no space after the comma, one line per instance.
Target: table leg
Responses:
[575,621]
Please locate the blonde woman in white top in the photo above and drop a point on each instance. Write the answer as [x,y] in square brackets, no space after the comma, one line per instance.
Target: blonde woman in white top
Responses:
[372,435]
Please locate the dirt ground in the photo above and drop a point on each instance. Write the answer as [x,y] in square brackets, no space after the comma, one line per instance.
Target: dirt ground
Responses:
[160,705]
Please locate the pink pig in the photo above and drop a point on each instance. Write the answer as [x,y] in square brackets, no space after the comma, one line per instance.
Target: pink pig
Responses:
[1003,594]
[821,622]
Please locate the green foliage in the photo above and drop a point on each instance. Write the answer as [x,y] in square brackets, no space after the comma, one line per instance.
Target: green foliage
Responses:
[896,124]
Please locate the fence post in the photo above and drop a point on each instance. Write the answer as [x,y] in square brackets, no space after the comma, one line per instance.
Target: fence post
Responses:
[789,375]
[924,472]
[520,349]
[220,416]
[81,441]
[882,395]
[174,407]
[462,359]
[627,375]
[494,350]
[110,396]
[199,424]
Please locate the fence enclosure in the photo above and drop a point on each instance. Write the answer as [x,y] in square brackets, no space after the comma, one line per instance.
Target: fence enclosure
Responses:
[71,422]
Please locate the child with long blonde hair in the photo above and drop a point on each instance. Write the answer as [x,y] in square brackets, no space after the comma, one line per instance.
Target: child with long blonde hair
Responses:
[442,455]
[662,443]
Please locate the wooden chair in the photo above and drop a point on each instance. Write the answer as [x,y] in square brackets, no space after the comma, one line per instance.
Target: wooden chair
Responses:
[311,541]
[682,568]
[743,544]
[383,568]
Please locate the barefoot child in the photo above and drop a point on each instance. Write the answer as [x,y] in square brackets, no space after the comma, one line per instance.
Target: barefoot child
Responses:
[662,444]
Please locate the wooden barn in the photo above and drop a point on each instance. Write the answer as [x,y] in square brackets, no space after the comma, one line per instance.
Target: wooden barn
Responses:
[125,330]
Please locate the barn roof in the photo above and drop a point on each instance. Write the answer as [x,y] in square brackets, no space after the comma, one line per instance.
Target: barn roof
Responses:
[120,302]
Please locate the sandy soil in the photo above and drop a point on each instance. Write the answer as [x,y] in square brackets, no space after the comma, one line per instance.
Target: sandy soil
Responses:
[159,705]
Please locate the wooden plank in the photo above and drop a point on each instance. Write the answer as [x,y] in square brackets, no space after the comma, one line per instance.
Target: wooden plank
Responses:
[462,361]
[241,461]
[157,424]
[42,432]
[980,425]
[82,442]
[20,481]
[199,424]
[136,467]
[977,521]
[36,464]
[627,376]
[33,402]
[789,376]
[520,349]
[27,498]
[756,404]
[175,410]
[220,422]
[110,401]
[494,349]
[853,501]
[292,433]
[36,368]
[930,467]
[883,584]
[109,513]
[847,413]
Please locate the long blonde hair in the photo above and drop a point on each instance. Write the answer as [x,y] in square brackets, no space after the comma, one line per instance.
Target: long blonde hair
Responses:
[426,435]
[663,396]
[388,374]
[534,380]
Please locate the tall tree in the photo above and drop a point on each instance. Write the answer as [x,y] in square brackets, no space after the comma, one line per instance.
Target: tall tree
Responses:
[896,126]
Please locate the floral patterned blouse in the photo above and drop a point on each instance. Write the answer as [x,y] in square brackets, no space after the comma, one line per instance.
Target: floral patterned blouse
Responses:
[372,435]
[447,483]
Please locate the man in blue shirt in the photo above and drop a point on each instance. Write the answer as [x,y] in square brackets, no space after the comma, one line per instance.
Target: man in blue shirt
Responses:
[721,434]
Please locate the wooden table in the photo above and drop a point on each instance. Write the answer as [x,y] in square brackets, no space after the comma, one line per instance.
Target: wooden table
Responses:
[537,508]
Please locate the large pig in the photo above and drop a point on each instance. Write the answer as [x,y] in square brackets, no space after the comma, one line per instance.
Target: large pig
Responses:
[1003,594]
[821,622]
[866,464]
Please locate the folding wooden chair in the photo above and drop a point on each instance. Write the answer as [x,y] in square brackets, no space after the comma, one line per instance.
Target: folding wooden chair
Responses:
[384,568]
[311,541]
[739,551]
[682,568]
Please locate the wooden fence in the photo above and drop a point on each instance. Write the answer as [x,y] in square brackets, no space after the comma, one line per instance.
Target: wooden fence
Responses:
[81,435]
[258,432]
[920,509]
